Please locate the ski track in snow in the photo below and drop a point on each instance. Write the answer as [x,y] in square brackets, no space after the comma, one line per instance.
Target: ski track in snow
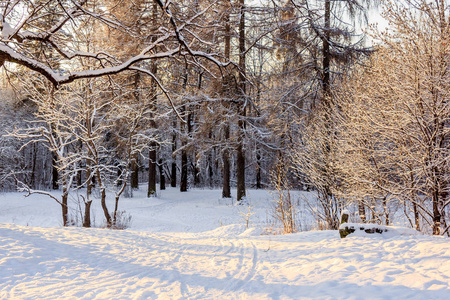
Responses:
[72,263]
[176,249]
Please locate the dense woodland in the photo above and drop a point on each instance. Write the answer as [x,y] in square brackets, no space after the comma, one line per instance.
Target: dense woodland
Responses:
[102,96]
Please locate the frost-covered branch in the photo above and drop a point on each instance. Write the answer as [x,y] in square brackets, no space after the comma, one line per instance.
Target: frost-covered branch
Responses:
[19,43]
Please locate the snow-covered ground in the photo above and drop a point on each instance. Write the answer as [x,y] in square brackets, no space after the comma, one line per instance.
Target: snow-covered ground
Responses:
[195,245]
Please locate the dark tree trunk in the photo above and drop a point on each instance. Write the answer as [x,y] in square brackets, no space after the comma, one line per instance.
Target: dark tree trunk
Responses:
[326,52]
[88,179]
[87,214]
[103,200]
[151,192]
[152,170]
[65,209]
[436,213]
[162,177]
[226,190]
[119,176]
[184,171]
[258,169]
[116,208]
[79,178]
[240,172]
[258,115]
[196,174]
[211,156]
[134,168]
[195,171]
[33,166]
[416,216]
[134,172]
[173,173]
[210,170]
[326,60]
[103,197]
[240,163]
[184,155]
[194,167]
[105,208]
[64,202]
[55,176]
[184,164]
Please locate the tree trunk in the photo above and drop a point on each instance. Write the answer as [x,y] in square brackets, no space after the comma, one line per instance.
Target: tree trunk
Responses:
[55,178]
[162,177]
[416,216]
[103,199]
[65,209]
[134,172]
[326,52]
[152,170]
[173,173]
[184,171]
[240,172]
[119,176]
[79,178]
[87,214]
[258,169]
[88,179]
[116,208]
[210,170]
[184,164]
[196,173]
[151,192]
[362,212]
[33,166]
[240,163]
[195,170]
[436,214]
[257,146]
[226,190]
[105,208]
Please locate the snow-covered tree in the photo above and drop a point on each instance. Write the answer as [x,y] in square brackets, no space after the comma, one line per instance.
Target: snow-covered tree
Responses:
[42,36]
[396,132]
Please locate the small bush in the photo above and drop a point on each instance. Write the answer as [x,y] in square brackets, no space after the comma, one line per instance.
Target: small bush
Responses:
[122,220]
[284,207]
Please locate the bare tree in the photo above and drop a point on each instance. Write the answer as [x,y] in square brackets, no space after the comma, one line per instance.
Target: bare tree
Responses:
[49,128]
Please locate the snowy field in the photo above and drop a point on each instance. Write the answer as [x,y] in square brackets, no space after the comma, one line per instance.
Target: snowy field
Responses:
[197,246]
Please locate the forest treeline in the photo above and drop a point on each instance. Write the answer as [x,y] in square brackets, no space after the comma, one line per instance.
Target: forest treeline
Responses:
[104,95]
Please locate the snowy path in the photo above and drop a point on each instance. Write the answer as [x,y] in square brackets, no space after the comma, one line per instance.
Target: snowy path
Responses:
[75,263]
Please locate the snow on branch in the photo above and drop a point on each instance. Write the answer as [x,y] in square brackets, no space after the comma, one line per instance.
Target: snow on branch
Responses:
[25,188]
[21,46]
